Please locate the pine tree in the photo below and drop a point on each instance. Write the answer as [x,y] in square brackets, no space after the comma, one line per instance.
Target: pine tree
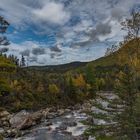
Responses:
[127,93]
[22,62]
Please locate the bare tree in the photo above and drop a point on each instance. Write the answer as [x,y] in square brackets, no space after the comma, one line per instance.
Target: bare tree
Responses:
[132,26]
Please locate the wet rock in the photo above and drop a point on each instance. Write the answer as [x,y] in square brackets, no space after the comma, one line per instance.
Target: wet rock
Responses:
[1,130]
[61,127]
[91,138]
[24,120]
[81,137]
[90,120]
[27,123]
[60,112]
[5,123]
[51,115]
[36,117]
[49,129]
[48,123]
[67,133]
[11,133]
[70,123]
[77,107]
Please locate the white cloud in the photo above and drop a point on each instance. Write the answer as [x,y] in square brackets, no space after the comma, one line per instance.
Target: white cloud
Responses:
[52,12]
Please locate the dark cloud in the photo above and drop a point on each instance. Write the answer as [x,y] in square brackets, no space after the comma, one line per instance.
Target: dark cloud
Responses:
[103,29]
[55,49]
[25,52]
[81,44]
[53,55]
[4,50]
[38,51]
[117,13]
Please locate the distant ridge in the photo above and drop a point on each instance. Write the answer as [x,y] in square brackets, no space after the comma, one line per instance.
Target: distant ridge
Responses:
[61,67]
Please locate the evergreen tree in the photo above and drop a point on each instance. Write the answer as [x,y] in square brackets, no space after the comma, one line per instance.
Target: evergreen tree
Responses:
[127,93]
[3,28]
[22,62]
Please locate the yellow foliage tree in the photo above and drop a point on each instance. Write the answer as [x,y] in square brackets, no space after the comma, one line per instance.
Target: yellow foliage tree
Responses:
[79,81]
[53,89]
[100,82]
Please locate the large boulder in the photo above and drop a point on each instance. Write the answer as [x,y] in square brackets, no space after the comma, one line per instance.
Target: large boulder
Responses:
[24,120]
[18,119]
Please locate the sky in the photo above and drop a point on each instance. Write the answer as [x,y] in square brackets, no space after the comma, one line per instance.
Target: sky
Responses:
[52,32]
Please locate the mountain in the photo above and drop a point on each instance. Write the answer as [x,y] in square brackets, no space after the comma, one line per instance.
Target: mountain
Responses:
[59,68]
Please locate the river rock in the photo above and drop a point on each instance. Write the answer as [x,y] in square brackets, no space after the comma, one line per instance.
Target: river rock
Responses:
[91,138]
[27,123]
[61,127]
[24,120]
[11,133]
[86,107]
[17,119]
[81,137]
[61,112]
[48,123]
[1,130]
[90,120]
[36,117]
[4,114]
[70,123]
[4,119]
[67,110]
[45,112]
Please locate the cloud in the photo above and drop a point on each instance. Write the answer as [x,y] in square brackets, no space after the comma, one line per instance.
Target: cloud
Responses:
[103,29]
[32,59]
[94,35]
[55,49]
[38,51]
[118,13]
[25,52]
[52,12]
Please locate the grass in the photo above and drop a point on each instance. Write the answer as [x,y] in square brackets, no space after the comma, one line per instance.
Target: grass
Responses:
[1,137]
[106,138]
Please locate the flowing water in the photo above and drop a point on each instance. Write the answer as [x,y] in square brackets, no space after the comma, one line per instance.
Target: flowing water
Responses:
[58,131]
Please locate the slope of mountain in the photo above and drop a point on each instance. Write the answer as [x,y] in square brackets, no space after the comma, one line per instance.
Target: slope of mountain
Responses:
[119,57]
[59,68]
